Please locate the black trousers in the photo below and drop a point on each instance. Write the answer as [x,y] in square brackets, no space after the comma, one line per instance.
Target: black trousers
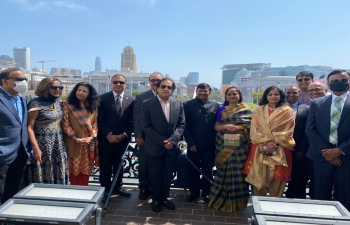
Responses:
[326,175]
[110,157]
[11,176]
[203,160]
[144,181]
[161,170]
[299,178]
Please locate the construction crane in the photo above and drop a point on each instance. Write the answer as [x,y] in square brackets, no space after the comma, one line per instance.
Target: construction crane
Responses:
[43,64]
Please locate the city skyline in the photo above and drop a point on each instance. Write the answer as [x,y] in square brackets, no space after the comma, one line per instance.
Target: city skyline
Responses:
[178,37]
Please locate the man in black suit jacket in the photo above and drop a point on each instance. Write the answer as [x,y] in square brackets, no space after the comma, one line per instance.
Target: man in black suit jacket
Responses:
[14,145]
[200,115]
[163,121]
[297,185]
[144,184]
[114,131]
[331,153]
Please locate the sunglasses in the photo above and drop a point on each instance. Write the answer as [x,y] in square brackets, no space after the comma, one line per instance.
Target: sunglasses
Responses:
[55,87]
[315,90]
[305,79]
[118,82]
[154,80]
[339,81]
[19,78]
[164,86]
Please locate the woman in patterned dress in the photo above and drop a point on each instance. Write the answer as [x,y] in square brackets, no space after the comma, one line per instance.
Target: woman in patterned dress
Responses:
[229,191]
[269,163]
[45,134]
[80,127]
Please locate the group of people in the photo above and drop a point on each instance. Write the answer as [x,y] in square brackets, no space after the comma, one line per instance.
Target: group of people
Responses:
[295,135]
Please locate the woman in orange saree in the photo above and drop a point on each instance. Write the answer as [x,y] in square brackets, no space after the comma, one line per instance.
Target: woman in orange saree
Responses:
[269,163]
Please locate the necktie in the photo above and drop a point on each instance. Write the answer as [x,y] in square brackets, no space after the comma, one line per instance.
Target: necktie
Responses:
[118,106]
[335,117]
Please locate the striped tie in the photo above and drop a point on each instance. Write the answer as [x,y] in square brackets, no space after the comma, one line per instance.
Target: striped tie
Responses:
[335,117]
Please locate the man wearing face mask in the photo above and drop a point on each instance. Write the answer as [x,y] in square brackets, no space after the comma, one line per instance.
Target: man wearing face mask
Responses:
[14,145]
[327,128]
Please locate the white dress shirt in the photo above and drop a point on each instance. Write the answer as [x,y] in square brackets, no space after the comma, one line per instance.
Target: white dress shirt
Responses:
[342,101]
[166,107]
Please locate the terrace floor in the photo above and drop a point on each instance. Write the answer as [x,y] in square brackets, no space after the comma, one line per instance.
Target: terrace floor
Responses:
[124,210]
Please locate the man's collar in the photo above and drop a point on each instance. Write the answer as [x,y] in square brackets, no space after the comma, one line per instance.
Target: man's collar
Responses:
[161,100]
[343,96]
[115,94]
[11,96]
[201,100]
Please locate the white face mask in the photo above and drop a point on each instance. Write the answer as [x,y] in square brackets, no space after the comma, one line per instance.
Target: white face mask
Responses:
[21,86]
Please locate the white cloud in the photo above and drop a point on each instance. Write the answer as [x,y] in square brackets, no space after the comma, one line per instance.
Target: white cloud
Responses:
[51,5]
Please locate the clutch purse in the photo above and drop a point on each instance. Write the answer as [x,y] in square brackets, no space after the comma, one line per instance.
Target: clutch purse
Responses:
[232,140]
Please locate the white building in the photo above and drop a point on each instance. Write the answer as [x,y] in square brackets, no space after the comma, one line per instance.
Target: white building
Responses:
[21,56]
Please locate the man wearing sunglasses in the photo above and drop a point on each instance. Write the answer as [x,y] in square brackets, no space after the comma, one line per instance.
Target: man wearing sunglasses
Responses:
[163,121]
[328,130]
[144,184]
[114,132]
[14,144]
[304,79]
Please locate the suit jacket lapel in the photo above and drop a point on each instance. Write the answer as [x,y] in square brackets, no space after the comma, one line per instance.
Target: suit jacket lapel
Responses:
[299,111]
[326,113]
[346,109]
[111,101]
[125,102]
[8,104]
[172,110]
[158,107]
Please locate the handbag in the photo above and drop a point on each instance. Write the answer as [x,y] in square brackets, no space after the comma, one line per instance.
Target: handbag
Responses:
[232,140]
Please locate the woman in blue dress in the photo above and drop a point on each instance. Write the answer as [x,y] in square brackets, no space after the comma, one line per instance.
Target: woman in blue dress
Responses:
[50,164]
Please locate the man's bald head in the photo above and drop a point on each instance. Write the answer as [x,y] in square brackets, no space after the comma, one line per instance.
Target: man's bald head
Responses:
[317,90]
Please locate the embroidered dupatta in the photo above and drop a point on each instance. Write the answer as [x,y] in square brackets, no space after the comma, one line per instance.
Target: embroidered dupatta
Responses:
[277,127]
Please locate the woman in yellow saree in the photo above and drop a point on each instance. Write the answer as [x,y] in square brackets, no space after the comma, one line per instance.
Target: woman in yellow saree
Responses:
[269,163]
[229,192]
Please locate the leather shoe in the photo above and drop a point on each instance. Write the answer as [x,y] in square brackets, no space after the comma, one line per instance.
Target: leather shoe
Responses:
[143,194]
[156,206]
[168,204]
[192,197]
[122,192]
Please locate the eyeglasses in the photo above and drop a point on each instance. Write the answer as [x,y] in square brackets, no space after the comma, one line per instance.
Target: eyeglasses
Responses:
[18,78]
[315,90]
[339,81]
[55,87]
[164,86]
[305,79]
[118,82]
[154,80]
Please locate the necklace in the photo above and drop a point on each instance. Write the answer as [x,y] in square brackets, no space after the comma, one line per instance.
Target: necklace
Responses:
[272,109]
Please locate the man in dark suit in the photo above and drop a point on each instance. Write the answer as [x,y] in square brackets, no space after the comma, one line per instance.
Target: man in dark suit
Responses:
[14,145]
[144,184]
[114,131]
[199,134]
[328,130]
[297,185]
[163,121]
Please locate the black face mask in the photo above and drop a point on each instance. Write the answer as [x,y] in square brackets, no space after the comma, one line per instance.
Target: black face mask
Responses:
[339,86]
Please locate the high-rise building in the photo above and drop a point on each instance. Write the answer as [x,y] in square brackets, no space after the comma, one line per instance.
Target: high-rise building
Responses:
[128,60]
[5,57]
[193,78]
[98,66]
[166,75]
[21,56]
[183,80]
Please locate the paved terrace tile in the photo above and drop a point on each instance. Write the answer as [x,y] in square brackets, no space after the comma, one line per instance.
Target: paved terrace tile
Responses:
[130,211]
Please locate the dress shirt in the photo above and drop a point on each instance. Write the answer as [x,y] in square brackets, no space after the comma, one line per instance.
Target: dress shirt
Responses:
[17,103]
[294,108]
[154,93]
[166,108]
[120,98]
[342,101]
[304,98]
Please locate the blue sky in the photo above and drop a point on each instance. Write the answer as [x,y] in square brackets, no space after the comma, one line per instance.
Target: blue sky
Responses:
[179,36]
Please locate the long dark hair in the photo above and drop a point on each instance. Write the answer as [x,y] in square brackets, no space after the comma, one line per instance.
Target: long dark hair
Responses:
[238,91]
[282,101]
[92,100]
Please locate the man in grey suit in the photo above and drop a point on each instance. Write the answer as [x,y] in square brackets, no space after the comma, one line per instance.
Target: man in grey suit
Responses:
[14,145]
[163,121]
[114,132]
[328,130]
[144,184]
